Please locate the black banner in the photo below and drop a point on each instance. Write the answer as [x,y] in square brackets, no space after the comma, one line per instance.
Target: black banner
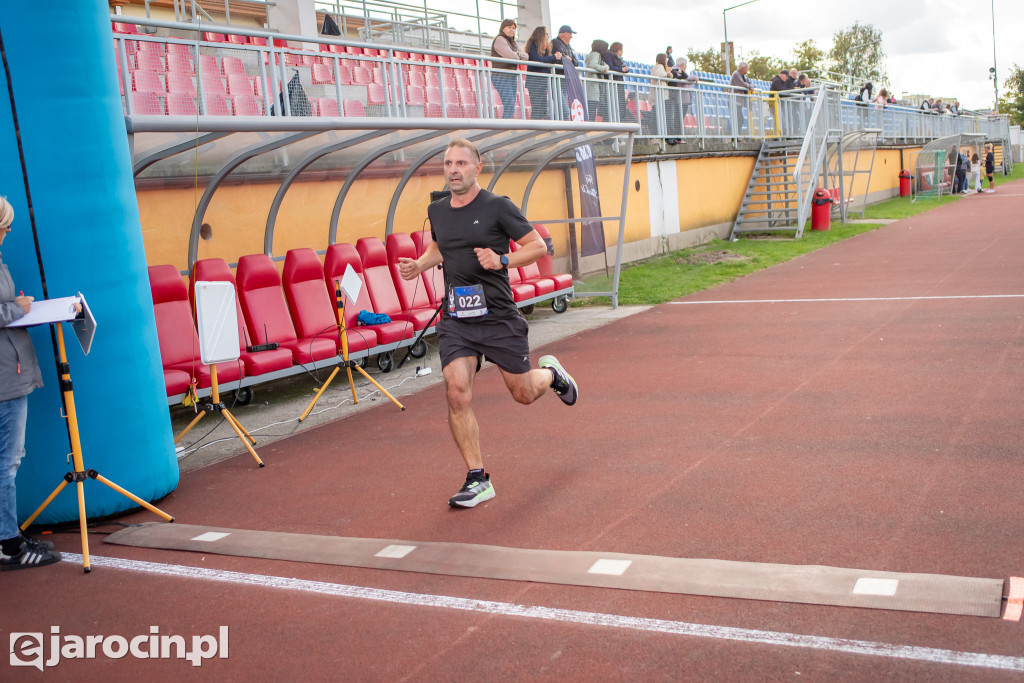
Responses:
[592,232]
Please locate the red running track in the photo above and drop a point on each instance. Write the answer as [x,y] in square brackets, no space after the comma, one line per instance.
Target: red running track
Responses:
[880,434]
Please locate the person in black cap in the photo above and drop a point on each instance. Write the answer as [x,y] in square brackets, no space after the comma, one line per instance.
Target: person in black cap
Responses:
[561,44]
[781,82]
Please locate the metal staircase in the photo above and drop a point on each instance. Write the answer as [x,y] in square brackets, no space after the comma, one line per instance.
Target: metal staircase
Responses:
[770,203]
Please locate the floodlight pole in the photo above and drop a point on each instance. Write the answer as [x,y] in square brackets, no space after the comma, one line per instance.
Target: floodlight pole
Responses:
[850,52]
[725,28]
[995,78]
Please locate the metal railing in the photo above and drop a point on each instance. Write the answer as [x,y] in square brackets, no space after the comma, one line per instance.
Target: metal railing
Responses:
[824,121]
[274,73]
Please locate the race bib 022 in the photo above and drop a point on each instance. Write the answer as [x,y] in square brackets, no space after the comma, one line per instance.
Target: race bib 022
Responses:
[467,302]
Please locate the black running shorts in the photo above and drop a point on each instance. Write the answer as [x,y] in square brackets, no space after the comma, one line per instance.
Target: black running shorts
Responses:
[504,342]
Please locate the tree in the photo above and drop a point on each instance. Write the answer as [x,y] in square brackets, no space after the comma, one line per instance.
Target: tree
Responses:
[762,67]
[807,56]
[1013,103]
[709,60]
[858,49]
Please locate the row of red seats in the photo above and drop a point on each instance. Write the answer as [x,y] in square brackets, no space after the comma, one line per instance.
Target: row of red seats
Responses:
[296,309]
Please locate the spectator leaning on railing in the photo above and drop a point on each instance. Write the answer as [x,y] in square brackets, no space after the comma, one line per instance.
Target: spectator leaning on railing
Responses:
[561,44]
[506,47]
[613,58]
[597,100]
[741,88]
[538,47]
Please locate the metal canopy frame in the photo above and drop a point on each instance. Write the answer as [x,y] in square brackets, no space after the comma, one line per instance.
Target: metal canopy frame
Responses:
[286,147]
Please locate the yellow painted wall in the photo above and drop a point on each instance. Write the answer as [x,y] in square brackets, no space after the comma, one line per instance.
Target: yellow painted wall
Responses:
[710,192]
[711,189]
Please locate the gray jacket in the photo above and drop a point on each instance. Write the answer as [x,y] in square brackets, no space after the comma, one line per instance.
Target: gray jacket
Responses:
[19,369]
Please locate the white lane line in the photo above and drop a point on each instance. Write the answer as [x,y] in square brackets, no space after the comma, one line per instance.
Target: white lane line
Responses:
[867,298]
[857,647]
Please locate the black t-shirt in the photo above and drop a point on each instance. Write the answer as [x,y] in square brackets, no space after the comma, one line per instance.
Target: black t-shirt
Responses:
[489,221]
[990,163]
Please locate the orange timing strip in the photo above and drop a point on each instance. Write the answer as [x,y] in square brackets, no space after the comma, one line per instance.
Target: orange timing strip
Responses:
[1015,601]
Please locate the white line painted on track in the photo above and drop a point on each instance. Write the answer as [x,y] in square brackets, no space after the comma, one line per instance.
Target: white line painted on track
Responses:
[867,298]
[840,645]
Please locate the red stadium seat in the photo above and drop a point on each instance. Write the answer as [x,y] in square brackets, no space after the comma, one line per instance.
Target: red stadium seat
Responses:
[322,74]
[149,61]
[247,105]
[256,362]
[266,314]
[412,294]
[311,304]
[233,65]
[361,76]
[120,27]
[433,279]
[147,81]
[180,83]
[383,294]
[176,331]
[181,104]
[561,280]
[338,258]
[239,84]
[353,108]
[180,64]
[211,37]
[375,95]
[217,105]
[147,104]
[328,107]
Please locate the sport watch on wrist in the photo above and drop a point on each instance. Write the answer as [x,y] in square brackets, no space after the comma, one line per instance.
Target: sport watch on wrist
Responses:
[504,261]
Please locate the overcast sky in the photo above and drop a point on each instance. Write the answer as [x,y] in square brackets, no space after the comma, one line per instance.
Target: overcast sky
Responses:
[937,47]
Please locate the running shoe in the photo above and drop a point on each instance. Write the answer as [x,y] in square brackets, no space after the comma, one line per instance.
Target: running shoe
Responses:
[473,492]
[563,383]
[34,554]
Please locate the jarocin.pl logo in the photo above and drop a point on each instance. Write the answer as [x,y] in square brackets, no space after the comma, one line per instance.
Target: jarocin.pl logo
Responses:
[27,648]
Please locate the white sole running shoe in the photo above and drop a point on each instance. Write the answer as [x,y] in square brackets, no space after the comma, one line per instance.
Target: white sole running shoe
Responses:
[563,383]
[473,492]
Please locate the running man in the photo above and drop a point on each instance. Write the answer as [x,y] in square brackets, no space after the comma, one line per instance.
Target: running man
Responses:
[471,232]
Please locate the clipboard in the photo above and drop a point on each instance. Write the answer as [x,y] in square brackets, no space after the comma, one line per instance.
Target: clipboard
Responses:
[62,310]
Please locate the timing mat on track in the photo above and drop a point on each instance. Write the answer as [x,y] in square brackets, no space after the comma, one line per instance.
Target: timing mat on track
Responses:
[815,585]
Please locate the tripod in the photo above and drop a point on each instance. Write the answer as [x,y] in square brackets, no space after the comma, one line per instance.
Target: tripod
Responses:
[346,363]
[79,474]
[419,337]
[218,406]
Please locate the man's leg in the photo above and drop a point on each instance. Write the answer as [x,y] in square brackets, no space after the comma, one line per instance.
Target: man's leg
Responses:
[528,386]
[458,378]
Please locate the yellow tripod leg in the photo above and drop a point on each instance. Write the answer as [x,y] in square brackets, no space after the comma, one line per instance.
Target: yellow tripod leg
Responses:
[239,425]
[382,389]
[191,424]
[238,431]
[60,487]
[318,394]
[128,494]
[81,526]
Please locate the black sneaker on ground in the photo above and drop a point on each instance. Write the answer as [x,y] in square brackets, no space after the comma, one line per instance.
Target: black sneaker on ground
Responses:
[36,543]
[473,492]
[33,553]
[563,383]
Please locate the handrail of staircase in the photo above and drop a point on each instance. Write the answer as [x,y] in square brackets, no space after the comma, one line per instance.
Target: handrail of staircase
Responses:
[819,120]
